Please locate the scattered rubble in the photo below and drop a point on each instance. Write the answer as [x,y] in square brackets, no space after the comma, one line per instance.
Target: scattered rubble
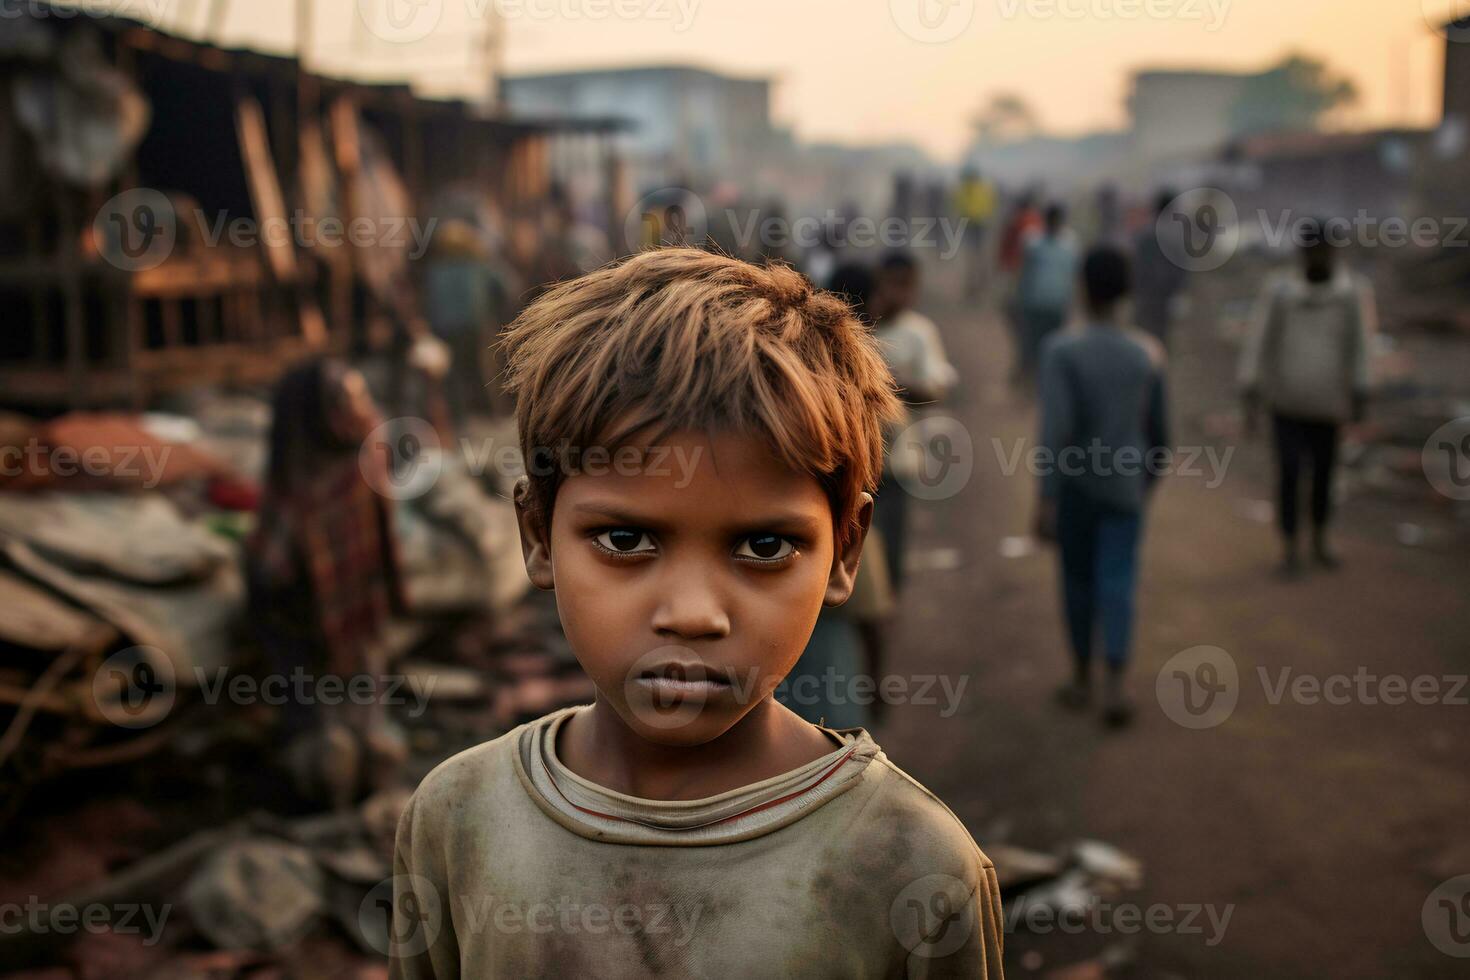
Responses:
[107,571]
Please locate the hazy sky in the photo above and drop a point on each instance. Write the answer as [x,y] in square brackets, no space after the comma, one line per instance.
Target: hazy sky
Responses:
[879,70]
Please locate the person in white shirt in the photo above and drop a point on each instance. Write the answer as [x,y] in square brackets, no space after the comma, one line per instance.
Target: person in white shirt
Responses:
[1306,362]
[911,346]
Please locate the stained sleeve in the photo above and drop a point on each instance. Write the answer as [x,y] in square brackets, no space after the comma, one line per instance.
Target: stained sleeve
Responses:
[421,940]
[969,944]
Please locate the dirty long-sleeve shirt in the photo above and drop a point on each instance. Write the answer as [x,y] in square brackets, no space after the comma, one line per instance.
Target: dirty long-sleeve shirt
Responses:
[1307,353]
[507,864]
[1104,422]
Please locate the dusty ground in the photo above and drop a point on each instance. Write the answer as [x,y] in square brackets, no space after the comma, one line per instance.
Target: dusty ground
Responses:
[1325,826]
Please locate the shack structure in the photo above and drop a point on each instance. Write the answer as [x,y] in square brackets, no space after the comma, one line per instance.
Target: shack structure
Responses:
[174,213]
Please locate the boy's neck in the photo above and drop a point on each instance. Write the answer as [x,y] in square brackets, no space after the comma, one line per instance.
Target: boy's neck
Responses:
[769,740]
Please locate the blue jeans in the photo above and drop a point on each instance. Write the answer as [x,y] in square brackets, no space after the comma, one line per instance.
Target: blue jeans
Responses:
[1099,550]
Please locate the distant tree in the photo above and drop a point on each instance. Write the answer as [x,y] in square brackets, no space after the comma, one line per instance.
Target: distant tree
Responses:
[1293,95]
[1006,118]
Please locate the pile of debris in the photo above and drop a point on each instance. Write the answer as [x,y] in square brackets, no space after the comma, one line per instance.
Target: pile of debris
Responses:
[100,556]
[258,897]
[126,565]
[1042,891]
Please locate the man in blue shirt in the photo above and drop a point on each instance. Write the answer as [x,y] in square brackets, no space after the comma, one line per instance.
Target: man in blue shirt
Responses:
[1104,442]
[1048,280]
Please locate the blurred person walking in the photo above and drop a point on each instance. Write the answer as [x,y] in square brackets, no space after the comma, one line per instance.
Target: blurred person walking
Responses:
[1104,429]
[1048,280]
[1306,362]
[912,347]
[1107,216]
[466,301]
[1158,277]
[1023,224]
[975,205]
[324,576]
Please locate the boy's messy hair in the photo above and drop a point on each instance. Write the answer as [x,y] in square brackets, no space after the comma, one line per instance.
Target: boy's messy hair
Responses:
[678,338]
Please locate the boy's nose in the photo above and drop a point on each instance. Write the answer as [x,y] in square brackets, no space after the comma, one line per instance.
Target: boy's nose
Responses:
[691,610]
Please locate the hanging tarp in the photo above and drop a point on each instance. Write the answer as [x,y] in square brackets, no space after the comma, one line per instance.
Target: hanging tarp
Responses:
[85,116]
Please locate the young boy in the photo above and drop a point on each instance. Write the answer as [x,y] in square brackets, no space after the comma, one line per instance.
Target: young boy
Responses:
[1103,423]
[701,437]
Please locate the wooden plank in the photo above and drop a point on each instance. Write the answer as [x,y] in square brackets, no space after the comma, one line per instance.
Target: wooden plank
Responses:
[51,386]
[265,188]
[34,617]
[188,278]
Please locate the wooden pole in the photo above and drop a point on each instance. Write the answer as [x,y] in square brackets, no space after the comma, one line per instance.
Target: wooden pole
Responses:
[218,11]
[303,32]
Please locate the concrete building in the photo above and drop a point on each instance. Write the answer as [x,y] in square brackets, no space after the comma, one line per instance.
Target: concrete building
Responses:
[688,126]
[1058,164]
[1180,115]
[1445,183]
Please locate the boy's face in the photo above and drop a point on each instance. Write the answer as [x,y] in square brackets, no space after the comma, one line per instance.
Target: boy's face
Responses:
[689,576]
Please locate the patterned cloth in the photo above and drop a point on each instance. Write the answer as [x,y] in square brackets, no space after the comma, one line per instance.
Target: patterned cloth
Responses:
[324,567]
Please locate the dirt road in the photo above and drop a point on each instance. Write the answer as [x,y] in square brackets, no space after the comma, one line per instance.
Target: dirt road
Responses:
[1322,827]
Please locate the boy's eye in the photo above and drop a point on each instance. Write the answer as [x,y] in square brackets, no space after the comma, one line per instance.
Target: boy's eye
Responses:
[765,547]
[626,541]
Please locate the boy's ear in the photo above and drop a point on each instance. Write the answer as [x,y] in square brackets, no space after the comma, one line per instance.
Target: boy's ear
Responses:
[535,537]
[845,562]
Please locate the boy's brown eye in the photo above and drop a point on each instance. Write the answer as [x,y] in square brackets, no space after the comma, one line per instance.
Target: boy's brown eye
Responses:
[625,540]
[766,547]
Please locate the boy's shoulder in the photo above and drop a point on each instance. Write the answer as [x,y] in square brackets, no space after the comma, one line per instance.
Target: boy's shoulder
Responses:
[905,820]
[891,815]
[1057,343]
[1153,348]
[1077,341]
[460,780]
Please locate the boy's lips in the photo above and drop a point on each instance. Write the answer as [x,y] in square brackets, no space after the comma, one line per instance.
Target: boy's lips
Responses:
[677,679]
